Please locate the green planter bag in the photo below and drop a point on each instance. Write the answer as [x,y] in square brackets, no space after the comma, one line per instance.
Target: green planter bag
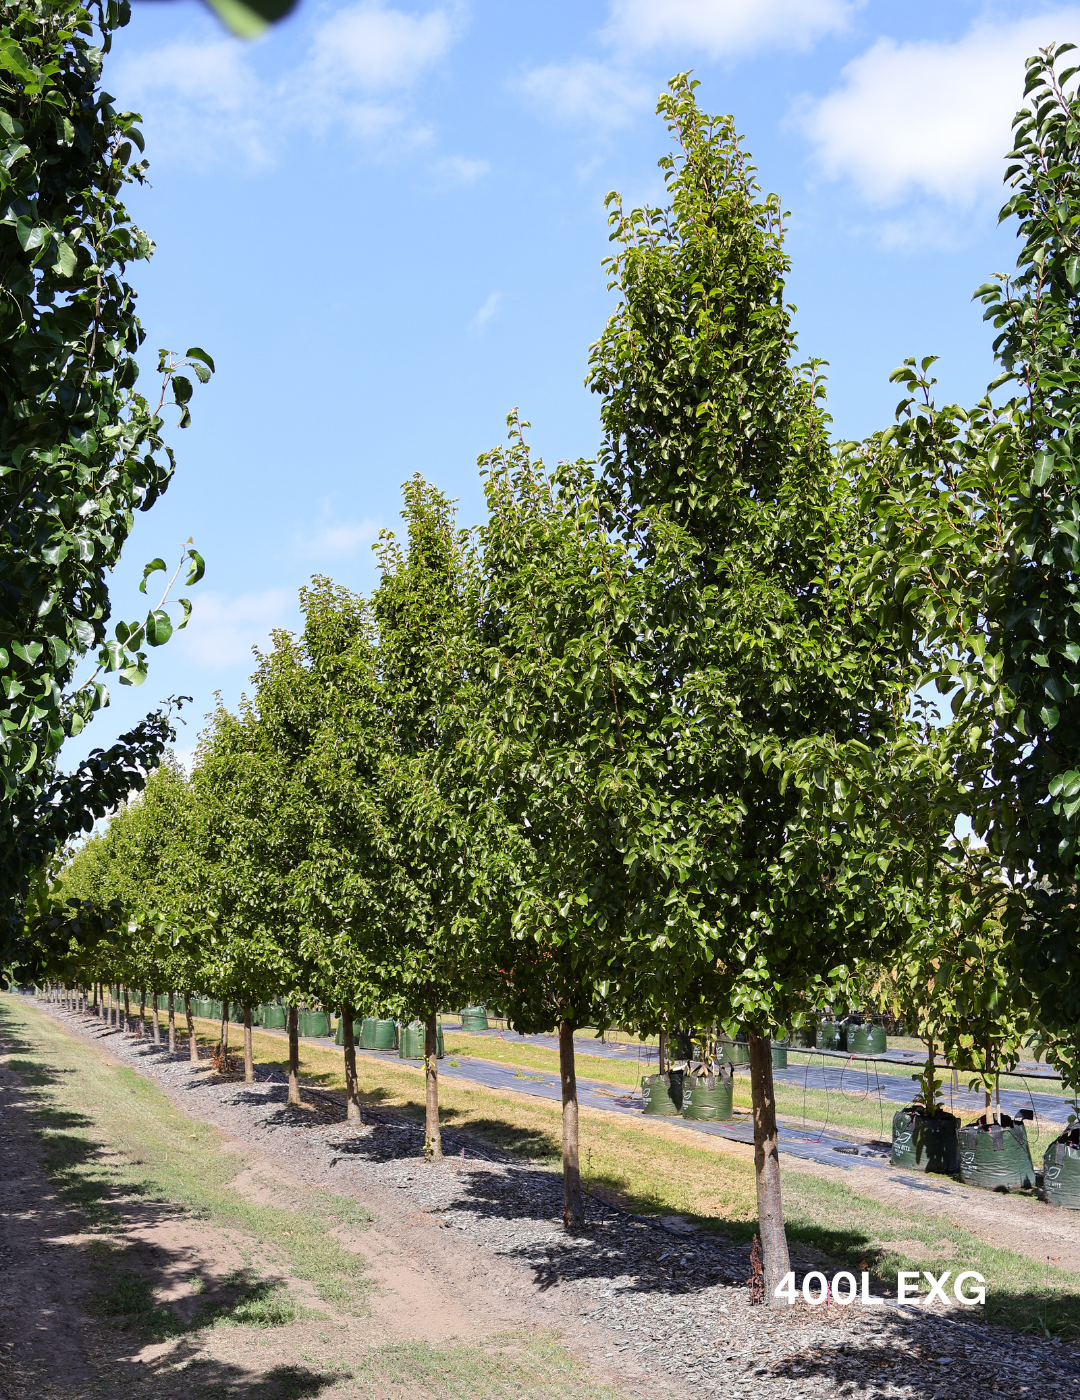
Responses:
[378,1035]
[1061,1171]
[921,1144]
[735,1052]
[996,1158]
[662,1094]
[708,1097]
[411,1042]
[805,1038]
[274,1017]
[779,1054]
[829,1036]
[473,1018]
[314,1024]
[357,1030]
[868,1040]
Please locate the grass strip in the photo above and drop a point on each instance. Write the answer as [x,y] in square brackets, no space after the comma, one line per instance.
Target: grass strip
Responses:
[110,1137]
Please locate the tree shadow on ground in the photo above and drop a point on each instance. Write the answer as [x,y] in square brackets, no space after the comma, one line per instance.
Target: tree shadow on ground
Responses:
[82,1295]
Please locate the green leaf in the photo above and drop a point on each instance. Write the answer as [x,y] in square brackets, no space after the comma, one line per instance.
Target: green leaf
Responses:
[196,353]
[198,567]
[1043,468]
[249,20]
[158,628]
[66,260]
[13,60]
[154,566]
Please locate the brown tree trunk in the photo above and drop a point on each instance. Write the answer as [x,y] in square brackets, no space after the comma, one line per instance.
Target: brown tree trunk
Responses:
[432,1135]
[157,1019]
[249,1060]
[573,1200]
[352,1090]
[661,1049]
[127,1010]
[142,1013]
[224,1039]
[193,1044]
[172,1023]
[774,1248]
[99,1000]
[294,1056]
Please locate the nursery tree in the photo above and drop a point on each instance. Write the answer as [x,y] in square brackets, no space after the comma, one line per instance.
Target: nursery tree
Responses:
[445,834]
[571,746]
[252,834]
[350,881]
[80,449]
[980,511]
[761,883]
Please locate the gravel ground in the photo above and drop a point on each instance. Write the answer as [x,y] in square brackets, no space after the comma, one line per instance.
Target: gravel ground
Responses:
[653,1306]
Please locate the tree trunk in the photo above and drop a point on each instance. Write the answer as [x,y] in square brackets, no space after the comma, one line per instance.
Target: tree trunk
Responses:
[432,1135]
[99,1000]
[154,994]
[172,1023]
[142,1013]
[352,1091]
[127,1010]
[249,1061]
[573,1200]
[660,1051]
[224,1039]
[294,1056]
[774,1249]
[193,1044]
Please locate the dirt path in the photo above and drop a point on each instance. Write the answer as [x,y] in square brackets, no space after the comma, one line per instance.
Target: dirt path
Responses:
[473,1248]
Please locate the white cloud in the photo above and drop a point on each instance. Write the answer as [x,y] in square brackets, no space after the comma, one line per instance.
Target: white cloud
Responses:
[723,27]
[586,91]
[334,538]
[206,99]
[223,630]
[461,170]
[374,49]
[197,96]
[484,315]
[930,119]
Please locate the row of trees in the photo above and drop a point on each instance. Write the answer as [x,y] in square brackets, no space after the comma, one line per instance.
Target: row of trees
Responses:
[652,746]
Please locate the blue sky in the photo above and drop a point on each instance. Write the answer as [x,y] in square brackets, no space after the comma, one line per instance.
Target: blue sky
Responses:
[385,222]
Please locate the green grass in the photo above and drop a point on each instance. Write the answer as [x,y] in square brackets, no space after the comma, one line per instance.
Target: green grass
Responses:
[111,1139]
[850,1228]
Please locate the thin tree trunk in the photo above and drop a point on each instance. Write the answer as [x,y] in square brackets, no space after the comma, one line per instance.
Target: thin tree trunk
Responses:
[172,1023]
[154,994]
[249,1061]
[660,1051]
[294,1056]
[127,1010]
[224,1041]
[193,1044]
[142,1013]
[774,1248]
[99,1000]
[573,1200]
[432,1135]
[352,1091]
